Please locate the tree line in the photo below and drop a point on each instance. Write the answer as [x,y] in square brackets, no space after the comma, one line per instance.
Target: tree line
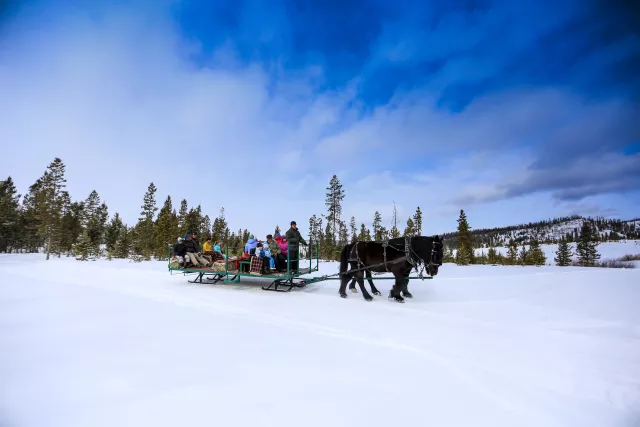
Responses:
[46,217]
[517,251]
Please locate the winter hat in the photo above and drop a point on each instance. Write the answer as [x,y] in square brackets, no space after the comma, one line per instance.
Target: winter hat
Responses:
[186,236]
[277,234]
[269,236]
[250,236]
[180,239]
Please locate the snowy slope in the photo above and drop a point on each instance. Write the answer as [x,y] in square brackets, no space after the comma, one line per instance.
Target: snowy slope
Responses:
[607,250]
[122,344]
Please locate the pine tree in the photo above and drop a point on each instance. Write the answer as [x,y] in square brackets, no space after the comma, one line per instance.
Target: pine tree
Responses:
[462,255]
[523,256]
[333,201]
[52,185]
[377,226]
[166,229]
[586,248]
[492,255]
[417,221]
[343,238]
[95,220]
[112,232]
[71,226]
[277,230]
[353,230]
[410,229]
[31,239]
[182,218]
[536,254]
[206,226]
[82,249]
[364,235]
[512,253]
[9,215]
[145,229]
[394,233]
[124,243]
[465,240]
[220,226]
[563,253]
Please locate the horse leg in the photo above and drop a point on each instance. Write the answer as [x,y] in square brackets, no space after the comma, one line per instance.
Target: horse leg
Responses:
[352,286]
[405,290]
[374,290]
[343,283]
[397,286]
[365,294]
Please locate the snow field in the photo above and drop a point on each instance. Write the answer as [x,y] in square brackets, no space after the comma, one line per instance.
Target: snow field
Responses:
[109,343]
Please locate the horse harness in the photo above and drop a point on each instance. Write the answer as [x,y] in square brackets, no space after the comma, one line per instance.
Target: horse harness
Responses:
[418,262]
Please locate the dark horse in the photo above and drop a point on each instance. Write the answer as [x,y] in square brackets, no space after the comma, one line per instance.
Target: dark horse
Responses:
[397,256]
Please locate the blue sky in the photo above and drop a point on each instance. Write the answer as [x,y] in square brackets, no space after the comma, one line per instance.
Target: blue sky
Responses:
[513,111]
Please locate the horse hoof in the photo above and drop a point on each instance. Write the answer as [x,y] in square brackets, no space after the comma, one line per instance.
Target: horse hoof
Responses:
[343,295]
[399,300]
[407,295]
[369,299]
[377,293]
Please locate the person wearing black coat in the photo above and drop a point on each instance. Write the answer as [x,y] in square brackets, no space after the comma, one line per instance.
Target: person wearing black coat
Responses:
[294,238]
[180,251]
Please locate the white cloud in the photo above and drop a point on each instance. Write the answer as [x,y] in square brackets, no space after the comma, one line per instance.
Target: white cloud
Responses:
[118,101]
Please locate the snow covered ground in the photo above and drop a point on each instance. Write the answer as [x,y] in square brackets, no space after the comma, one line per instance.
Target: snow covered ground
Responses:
[113,343]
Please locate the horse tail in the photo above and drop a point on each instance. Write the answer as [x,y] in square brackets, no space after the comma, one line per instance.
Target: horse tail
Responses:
[344,258]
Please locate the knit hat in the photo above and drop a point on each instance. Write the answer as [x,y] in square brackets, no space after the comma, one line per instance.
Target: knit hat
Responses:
[180,239]
[186,236]
[251,236]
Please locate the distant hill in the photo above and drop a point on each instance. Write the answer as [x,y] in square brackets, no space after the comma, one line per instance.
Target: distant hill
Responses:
[549,231]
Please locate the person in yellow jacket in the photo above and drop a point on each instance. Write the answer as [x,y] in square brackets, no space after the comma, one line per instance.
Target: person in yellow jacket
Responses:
[206,246]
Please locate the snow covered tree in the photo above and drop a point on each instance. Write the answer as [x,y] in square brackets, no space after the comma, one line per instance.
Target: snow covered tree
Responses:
[333,201]
[586,247]
[417,221]
[563,253]
[465,240]
[9,215]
